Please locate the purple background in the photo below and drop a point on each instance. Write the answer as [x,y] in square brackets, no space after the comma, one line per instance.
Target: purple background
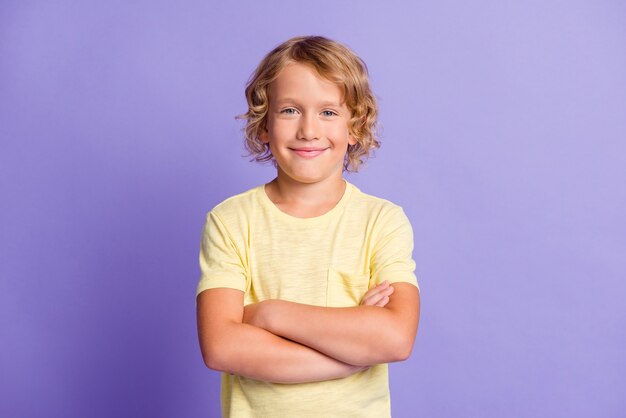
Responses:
[504,140]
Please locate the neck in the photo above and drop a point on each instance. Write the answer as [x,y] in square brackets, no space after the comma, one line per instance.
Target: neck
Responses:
[305,199]
[289,189]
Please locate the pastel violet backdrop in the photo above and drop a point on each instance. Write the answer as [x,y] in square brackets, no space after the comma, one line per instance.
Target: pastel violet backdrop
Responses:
[504,129]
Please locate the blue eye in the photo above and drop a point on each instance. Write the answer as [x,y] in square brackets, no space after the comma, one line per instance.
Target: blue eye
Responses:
[329,113]
[289,111]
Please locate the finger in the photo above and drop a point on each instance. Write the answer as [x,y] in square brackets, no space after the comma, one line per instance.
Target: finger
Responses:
[373,292]
[378,291]
[384,301]
[374,298]
[378,288]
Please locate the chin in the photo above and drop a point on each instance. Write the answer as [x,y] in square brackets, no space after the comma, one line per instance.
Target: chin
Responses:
[307,179]
[309,175]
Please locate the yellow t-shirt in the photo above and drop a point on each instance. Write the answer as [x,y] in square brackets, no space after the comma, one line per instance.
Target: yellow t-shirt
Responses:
[330,260]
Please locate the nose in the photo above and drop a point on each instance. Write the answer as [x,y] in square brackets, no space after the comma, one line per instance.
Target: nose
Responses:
[309,128]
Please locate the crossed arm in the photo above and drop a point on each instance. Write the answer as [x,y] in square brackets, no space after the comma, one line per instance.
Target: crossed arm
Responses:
[286,342]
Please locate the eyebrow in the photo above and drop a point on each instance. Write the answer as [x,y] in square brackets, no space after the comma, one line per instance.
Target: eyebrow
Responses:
[331,104]
[323,104]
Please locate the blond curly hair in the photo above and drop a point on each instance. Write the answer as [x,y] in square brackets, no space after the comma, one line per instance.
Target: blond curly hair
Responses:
[331,60]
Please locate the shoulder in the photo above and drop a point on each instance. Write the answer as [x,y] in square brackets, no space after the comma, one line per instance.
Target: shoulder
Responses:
[375,207]
[233,215]
[236,206]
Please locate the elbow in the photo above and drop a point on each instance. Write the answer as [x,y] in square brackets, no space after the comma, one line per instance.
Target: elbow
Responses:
[402,351]
[395,350]
[212,362]
[218,348]
[215,359]
[400,348]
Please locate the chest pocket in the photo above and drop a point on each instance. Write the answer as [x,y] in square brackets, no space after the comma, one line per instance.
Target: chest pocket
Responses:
[345,289]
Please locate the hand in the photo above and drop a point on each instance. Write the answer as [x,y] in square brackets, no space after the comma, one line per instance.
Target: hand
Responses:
[350,369]
[378,296]
[252,314]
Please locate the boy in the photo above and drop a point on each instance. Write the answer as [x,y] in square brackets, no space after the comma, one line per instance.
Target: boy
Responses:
[295,304]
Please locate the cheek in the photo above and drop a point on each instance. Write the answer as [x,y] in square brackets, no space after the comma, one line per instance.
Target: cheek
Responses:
[341,134]
[281,128]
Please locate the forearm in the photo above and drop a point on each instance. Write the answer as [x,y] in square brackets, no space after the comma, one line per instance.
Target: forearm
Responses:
[357,335]
[252,352]
[362,335]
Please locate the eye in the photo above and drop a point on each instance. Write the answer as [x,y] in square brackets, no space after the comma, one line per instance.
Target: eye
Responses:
[329,113]
[289,111]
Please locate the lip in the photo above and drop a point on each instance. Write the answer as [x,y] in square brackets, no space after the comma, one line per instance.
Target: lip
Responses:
[308,152]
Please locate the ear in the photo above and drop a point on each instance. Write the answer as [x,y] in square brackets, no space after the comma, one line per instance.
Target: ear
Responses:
[264,136]
[351,139]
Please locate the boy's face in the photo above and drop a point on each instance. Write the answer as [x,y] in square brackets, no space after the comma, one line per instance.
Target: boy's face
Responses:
[307,125]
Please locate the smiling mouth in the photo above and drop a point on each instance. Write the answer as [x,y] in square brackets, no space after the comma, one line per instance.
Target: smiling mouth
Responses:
[308,152]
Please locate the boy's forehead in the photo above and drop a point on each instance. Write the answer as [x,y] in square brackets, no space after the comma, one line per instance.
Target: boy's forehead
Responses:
[296,80]
[298,69]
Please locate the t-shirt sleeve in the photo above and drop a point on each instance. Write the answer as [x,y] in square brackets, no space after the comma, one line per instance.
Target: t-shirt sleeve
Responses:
[392,256]
[221,264]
